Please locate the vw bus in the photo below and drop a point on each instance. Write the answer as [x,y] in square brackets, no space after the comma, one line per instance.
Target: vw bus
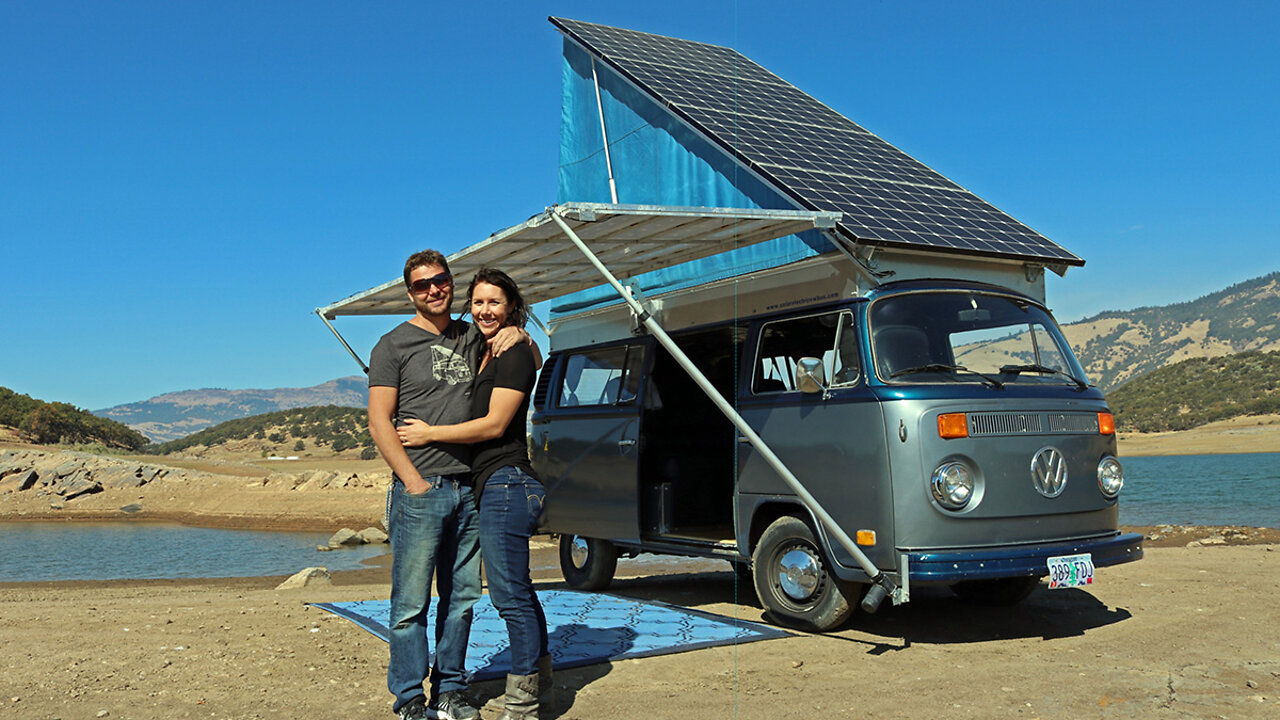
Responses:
[943,424]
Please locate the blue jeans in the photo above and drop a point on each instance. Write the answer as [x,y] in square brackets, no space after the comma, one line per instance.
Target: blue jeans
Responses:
[509,509]
[432,533]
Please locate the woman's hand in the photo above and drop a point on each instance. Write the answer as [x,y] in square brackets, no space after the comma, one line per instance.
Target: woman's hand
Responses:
[414,433]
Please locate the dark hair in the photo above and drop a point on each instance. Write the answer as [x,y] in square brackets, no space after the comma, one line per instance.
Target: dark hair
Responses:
[517,310]
[420,259]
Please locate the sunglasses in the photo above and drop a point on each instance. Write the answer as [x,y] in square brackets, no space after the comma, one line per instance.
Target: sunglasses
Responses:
[421,285]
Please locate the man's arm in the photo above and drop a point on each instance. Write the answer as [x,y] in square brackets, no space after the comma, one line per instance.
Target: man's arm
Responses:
[382,409]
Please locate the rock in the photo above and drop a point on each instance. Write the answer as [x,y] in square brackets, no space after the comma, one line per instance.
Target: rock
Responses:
[345,536]
[81,483]
[66,468]
[306,578]
[372,536]
[131,508]
[17,482]
[317,479]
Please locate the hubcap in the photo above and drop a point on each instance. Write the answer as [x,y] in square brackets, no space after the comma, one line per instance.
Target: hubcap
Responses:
[798,573]
[578,553]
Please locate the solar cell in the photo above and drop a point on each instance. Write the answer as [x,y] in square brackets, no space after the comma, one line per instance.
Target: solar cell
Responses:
[814,155]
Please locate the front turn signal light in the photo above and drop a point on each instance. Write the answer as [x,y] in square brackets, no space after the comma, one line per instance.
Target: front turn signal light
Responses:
[953,425]
[1106,423]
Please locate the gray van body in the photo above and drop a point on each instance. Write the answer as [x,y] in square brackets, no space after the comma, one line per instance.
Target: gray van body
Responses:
[648,465]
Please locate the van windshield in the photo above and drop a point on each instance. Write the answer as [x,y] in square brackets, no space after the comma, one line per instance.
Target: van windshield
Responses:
[969,336]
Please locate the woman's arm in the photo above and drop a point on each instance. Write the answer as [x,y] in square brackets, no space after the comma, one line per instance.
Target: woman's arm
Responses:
[504,403]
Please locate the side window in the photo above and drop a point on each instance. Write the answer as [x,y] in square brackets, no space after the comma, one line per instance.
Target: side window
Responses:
[830,337]
[610,376]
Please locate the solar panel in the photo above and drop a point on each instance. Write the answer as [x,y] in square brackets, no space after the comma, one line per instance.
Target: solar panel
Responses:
[817,157]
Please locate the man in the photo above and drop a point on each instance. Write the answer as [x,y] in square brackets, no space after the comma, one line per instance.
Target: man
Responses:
[423,369]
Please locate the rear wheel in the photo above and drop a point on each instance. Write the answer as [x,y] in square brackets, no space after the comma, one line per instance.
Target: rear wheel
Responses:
[792,581]
[587,563]
[1000,592]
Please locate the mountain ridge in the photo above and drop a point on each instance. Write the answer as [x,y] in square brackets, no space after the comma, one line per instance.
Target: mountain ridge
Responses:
[1113,346]
[177,414]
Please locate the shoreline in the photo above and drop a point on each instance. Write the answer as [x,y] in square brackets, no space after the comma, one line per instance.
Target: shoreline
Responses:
[544,554]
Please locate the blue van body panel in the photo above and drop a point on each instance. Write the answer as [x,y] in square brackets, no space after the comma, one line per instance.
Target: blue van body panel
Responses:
[949,566]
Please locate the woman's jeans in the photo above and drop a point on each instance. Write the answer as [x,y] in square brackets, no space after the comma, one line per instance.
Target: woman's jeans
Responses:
[509,510]
[432,533]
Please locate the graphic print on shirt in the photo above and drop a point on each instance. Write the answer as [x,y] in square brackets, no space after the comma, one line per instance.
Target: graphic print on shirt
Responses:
[448,366]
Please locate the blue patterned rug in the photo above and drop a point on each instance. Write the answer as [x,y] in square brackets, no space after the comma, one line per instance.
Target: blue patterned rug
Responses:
[585,628]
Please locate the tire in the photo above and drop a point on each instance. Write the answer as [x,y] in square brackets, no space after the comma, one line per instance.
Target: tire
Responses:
[1000,592]
[792,580]
[587,563]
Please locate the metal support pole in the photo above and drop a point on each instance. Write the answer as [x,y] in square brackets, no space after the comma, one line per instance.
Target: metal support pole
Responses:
[342,340]
[604,133]
[882,586]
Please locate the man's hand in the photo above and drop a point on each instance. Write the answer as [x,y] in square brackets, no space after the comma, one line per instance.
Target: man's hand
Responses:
[416,486]
[507,338]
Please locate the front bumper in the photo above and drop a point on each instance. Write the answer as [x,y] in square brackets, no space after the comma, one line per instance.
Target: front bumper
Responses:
[1017,561]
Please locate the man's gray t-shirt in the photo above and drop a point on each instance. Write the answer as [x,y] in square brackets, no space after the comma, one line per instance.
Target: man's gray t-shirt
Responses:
[433,374]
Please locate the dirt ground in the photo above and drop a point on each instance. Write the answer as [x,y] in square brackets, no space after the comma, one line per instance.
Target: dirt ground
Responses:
[1190,631]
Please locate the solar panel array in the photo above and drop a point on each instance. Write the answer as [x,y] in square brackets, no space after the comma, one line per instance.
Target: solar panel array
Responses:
[818,157]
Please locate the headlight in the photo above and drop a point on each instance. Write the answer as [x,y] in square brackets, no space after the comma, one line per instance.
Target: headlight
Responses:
[1110,476]
[952,485]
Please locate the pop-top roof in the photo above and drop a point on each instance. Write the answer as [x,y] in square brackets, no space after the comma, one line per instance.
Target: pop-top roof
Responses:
[815,156]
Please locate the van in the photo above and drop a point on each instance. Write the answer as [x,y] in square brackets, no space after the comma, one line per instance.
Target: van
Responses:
[840,430]
[944,424]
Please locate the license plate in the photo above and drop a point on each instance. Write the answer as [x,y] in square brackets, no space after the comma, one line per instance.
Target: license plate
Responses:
[1070,571]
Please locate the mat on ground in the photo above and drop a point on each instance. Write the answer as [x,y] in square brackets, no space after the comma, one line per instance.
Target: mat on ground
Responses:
[584,628]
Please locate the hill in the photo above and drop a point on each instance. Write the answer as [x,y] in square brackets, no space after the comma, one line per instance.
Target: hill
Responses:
[45,423]
[178,414]
[1117,346]
[1199,391]
[328,428]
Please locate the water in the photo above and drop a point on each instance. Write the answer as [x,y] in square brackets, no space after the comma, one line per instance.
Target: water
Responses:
[1177,490]
[35,551]
[1239,489]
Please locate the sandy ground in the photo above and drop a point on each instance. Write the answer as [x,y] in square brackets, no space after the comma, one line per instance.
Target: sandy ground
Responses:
[1191,631]
[1188,632]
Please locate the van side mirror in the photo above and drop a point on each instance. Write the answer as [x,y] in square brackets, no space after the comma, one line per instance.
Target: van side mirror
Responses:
[810,377]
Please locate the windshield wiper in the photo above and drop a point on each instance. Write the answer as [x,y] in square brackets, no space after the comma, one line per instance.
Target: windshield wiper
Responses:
[940,368]
[1016,369]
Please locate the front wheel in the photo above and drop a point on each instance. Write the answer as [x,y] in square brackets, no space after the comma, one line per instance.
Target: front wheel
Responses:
[587,563]
[792,580]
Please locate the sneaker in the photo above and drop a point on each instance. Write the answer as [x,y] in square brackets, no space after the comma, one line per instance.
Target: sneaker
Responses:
[416,709]
[453,705]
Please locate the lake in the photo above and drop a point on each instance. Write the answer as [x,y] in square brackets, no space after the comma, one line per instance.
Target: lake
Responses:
[33,551]
[1241,489]
[1177,490]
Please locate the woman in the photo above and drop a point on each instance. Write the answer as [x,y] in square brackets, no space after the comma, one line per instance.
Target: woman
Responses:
[508,493]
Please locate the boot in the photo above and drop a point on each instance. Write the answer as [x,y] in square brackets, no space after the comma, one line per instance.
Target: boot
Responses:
[546,689]
[522,698]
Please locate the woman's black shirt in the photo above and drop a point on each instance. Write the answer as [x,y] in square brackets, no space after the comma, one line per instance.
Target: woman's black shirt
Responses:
[512,369]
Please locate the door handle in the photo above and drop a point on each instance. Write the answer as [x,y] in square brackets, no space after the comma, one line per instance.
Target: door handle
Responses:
[626,443]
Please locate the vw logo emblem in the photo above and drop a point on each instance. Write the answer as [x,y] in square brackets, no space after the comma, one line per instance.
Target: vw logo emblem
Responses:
[1049,472]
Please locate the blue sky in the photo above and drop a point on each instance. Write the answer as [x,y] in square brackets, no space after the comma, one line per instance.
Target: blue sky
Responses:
[182,183]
